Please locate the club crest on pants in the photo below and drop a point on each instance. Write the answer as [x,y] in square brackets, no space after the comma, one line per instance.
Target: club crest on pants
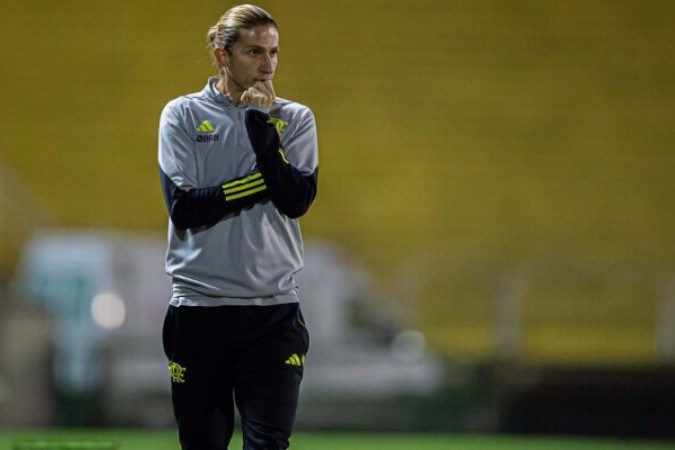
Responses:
[177,372]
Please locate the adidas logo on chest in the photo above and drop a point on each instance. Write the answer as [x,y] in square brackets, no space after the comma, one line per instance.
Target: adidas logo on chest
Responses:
[206,132]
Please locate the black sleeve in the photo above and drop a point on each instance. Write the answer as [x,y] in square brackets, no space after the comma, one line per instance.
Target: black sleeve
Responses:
[206,206]
[291,191]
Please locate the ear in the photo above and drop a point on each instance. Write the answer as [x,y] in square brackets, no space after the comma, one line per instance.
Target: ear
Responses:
[221,57]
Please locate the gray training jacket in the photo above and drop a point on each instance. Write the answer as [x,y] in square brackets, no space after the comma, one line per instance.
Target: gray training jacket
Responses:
[235,180]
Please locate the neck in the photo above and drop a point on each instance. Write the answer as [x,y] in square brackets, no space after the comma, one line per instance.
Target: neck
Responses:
[230,88]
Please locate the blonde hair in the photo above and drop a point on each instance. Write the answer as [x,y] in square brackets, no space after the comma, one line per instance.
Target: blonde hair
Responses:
[225,33]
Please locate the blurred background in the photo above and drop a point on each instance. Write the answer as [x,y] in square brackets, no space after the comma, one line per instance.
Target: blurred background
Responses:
[491,248]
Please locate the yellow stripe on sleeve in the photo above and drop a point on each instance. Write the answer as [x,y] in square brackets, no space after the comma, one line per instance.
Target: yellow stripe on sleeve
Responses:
[245,193]
[245,180]
[243,187]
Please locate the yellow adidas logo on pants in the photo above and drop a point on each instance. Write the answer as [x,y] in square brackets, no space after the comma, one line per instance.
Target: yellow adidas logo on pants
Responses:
[296,360]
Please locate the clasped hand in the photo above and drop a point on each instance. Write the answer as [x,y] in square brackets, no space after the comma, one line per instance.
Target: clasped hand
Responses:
[260,94]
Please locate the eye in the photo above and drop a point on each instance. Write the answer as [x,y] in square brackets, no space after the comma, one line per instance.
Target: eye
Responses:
[254,52]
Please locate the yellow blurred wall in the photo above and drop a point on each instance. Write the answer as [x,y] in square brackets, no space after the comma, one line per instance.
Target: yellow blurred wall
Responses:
[452,133]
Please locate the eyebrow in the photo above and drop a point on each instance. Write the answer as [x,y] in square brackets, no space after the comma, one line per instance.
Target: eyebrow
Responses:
[259,47]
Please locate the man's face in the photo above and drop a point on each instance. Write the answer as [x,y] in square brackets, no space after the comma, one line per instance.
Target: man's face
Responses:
[254,57]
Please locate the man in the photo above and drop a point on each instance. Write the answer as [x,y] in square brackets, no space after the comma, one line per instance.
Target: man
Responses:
[238,167]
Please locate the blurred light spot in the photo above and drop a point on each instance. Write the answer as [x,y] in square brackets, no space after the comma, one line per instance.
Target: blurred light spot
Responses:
[408,346]
[108,311]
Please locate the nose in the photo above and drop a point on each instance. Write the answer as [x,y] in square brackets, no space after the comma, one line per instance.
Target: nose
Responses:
[267,65]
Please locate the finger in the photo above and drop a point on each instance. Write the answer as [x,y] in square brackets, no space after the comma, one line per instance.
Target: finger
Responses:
[270,87]
[245,97]
[253,96]
[264,89]
[250,97]
[258,96]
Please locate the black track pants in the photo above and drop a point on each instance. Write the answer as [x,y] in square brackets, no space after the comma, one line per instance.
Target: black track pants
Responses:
[251,356]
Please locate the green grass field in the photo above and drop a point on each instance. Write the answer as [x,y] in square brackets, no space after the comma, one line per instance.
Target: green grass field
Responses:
[166,440]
